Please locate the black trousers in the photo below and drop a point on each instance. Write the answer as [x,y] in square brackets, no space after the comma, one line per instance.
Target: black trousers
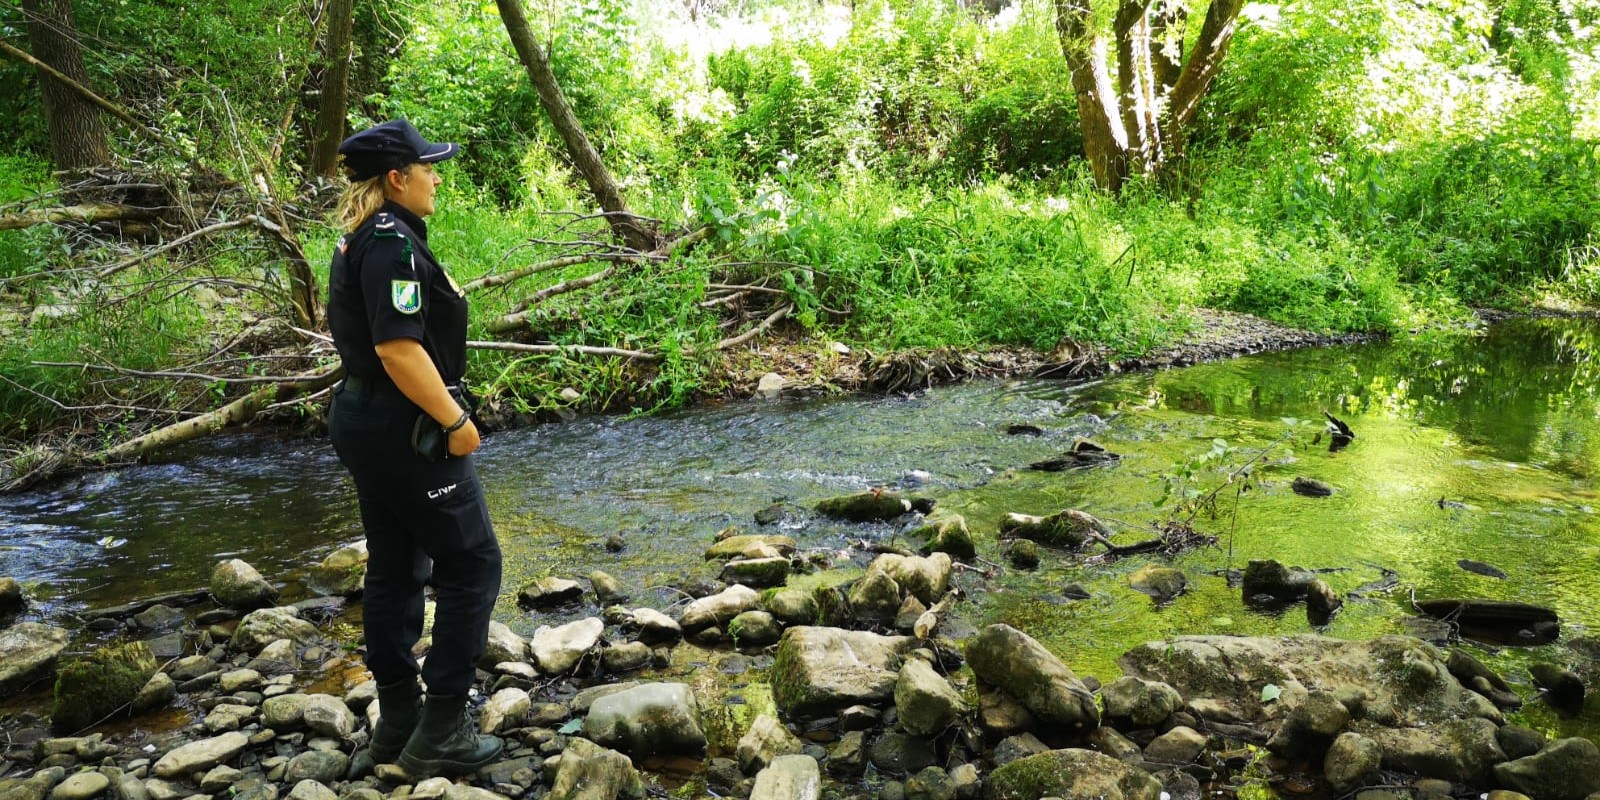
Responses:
[425,523]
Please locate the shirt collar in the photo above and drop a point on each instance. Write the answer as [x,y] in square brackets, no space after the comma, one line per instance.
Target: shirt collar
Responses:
[411,220]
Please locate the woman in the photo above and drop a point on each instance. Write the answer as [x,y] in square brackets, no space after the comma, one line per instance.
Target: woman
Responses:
[401,424]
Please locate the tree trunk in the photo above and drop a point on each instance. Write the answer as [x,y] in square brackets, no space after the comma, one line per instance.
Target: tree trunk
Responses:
[1139,127]
[584,157]
[335,88]
[77,133]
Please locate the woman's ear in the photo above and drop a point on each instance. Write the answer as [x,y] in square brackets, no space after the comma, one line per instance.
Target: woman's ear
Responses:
[395,180]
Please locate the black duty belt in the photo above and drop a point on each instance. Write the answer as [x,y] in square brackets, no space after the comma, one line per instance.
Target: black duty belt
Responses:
[370,387]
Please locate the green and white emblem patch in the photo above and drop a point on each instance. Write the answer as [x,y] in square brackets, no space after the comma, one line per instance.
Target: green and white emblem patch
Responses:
[406,296]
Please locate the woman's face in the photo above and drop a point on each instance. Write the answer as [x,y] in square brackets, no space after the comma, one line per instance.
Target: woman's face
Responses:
[413,188]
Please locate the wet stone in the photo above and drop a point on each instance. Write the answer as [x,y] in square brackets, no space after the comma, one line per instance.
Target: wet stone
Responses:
[81,786]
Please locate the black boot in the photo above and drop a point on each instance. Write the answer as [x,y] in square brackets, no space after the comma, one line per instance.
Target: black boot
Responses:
[399,708]
[446,742]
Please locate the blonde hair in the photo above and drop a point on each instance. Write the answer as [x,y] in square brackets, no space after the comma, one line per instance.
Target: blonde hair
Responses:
[362,199]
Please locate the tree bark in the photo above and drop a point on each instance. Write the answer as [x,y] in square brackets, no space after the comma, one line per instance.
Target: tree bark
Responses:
[1205,60]
[78,135]
[1105,140]
[87,213]
[335,88]
[584,157]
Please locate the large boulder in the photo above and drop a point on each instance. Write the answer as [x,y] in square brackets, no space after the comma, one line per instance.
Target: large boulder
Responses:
[1013,662]
[588,771]
[1392,681]
[1566,769]
[766,740]
[202,755]
[646,720]
[718,609]
[1071,775]
[236,584]
[925,701]
[789,778]
[264,626]
[1464,751]
[556,650]
[104,683]
[819,671]
[28,652]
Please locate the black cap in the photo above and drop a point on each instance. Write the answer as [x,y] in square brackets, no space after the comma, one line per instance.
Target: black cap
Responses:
[391,145]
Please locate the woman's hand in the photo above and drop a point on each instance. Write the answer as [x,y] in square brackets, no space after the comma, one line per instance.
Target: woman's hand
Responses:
[464,440]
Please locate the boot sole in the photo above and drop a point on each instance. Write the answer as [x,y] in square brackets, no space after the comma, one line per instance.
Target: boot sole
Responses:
[434,767]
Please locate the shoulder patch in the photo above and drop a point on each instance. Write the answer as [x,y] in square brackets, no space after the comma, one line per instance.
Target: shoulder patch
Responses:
[406,296]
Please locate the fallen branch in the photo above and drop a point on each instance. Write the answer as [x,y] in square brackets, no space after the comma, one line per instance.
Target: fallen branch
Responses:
[135,373]
[489,281]
[107,272]
[88,94]
[771,320]
[565,349]
[86,213]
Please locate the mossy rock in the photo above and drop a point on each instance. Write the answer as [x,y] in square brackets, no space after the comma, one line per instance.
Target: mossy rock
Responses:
[833,606]
[1071,775]
[1066,528]
[100,685]
[865,507]
[947,535]
[748,546]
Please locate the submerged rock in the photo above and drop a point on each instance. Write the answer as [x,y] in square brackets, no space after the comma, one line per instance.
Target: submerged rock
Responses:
[1563,689]
[819,671]
[1500,621]
[1066,528]
[1082,455]
[1073,774]
[93,688]
[756,572]
[1013,662]
[1311,487]
[11,599]
[947,535]
[873,506]
[1272,579]
[1162,584]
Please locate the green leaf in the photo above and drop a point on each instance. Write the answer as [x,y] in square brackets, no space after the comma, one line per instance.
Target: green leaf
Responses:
[1270,692]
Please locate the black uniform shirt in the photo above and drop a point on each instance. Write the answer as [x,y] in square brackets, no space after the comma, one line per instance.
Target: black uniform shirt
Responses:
[385,284]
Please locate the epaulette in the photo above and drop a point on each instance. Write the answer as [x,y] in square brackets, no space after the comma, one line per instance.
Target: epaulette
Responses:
[384,226]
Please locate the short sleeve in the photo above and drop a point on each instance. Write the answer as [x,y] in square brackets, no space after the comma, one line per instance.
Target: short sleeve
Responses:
[394,289]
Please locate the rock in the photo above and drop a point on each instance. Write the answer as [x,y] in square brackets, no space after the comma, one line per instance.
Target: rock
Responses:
[656,627]
[767,739]
[159,618]
[931,783]
[925,701]
[265,626]
[11,599]
[1388,680]
[1071,774]
[156,693]
[771,386]
[285,712]
[754,629]
[1023,553]
[1016,748]
[220,779]
[1322,602]
[276,658]
[1143,703]
[947,535]
[1563,689]
[1519,742]
[503,645]
[456,791]
[583,700]
[1310,726]
[201,756]
[646,720]
[1273,579]
[625,657]
[91,689]
[790,606]
[756,572]
[430,789]
[166,646]
[1566,769]
[1106,740]
[848,758]
[789,778]
[1352,761]
[557,650]
[28,652]
[236,584]
[1310,487]
[1497,620]
[905,619]
[228,717]
[35,787]
[819,671]
[1000,715]
[239,680]
[718,609]
[1002,656]
[875,596]
[859,718]
[1067,528]
[548,591]
[606,588]
[342,574]
[82,786]
[506,709]
[967,782]
[747,546]
[901,754]
[311,790]
[329,716]
[1180,745]
[588,771]
[928,578]
[873,506]
[322,766]
[615,543]
[1161,583]
[1455,750]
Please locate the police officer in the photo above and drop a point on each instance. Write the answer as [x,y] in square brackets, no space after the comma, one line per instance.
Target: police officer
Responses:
[401,423]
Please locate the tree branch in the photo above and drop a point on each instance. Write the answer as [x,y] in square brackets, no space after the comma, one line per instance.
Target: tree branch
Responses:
[771,320]
[86,213]
[87,93]
[1222,20]
[564,349]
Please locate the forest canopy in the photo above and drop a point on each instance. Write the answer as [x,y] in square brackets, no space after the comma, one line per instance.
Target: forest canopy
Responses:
[892,175]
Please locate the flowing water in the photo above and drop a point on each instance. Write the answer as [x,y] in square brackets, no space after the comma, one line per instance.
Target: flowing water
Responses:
[1479,448]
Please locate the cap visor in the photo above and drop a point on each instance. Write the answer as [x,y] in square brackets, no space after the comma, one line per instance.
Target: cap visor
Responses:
[438,152]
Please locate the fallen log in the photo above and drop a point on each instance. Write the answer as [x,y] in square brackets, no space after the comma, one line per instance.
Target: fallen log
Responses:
[86,213]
